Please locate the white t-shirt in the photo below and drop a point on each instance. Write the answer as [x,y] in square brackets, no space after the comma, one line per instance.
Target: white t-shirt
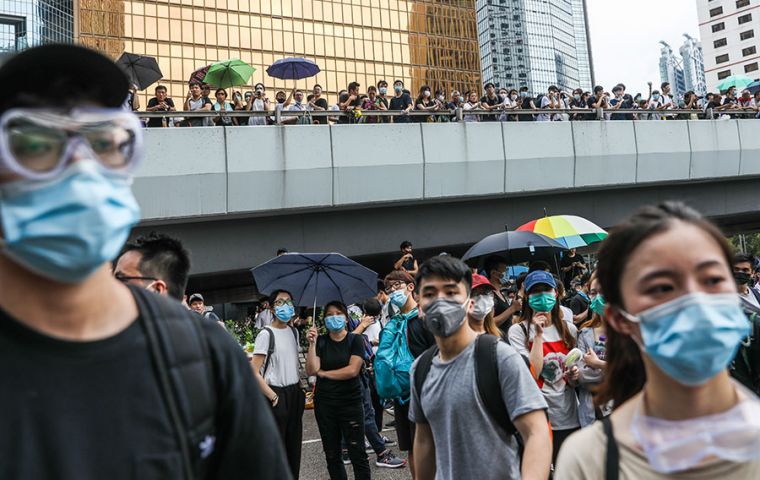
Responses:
[471,118]
[258,106]
[264,318]
[750,298]
[545,102]
[373,334]
[567,314]
[283,367]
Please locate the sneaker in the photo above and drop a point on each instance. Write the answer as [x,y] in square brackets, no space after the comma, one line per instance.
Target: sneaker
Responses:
[391,424]
[388,442]
[389,460]
[346,460]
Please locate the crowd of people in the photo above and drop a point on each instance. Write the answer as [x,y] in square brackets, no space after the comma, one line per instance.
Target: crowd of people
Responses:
[505,103]
[644,364]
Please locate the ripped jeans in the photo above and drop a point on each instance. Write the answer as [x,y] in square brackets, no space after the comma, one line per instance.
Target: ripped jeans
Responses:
[346,421]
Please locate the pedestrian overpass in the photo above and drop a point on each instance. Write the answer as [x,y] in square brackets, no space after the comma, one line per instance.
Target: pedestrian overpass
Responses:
[235,195]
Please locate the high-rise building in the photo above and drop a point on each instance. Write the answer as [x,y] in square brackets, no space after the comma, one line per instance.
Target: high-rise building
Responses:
[26,23]
[730,32]
[422,42]
[535,43]
[671,71]
[693,65]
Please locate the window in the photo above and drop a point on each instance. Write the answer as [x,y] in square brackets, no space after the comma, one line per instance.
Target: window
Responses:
[724,74]
[747,35]
[745,19]
[716,11]
[746,52]
[718,27]
[742,3]
[752,67]
[720,43]
[721,58]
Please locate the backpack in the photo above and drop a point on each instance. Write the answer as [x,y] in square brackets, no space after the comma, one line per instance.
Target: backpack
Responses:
[270,349]
[486,378]
[393,361]
[746,365]
[183,366]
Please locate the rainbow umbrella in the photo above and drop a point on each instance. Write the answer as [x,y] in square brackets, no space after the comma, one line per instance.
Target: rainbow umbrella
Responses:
[569,230]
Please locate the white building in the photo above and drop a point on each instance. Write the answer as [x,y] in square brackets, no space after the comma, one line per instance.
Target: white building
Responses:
[730,32]
[671,71]
[693,65]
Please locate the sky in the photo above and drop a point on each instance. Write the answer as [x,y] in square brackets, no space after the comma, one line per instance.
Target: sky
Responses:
[625,38]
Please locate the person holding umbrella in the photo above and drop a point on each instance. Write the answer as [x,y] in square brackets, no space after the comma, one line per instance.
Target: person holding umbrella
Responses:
[336,359]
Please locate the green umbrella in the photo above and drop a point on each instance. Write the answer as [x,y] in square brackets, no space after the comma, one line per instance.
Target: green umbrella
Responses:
[739,81]
[229,73]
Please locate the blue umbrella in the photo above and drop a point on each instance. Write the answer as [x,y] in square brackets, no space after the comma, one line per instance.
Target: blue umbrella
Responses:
[316,278]
[293,69]
[754,87]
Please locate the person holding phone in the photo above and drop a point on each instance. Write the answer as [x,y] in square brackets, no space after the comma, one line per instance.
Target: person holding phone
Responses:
[259,103]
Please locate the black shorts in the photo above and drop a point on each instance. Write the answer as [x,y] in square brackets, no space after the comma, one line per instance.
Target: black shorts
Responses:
[404,426]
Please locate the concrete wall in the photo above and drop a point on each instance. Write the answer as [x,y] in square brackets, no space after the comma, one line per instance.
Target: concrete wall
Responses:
[215,173]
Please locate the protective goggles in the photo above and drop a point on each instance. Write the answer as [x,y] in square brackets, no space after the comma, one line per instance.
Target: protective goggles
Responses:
[38,144]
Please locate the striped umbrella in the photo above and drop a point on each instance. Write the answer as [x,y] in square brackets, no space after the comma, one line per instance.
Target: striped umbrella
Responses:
[569,230]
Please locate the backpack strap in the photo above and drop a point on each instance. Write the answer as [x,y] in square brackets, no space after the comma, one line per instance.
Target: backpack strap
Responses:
[182,361]
[612,462]
[487,380]
[422,369]
[270,350]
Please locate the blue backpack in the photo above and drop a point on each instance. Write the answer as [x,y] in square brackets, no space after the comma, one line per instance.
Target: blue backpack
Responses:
[393,360]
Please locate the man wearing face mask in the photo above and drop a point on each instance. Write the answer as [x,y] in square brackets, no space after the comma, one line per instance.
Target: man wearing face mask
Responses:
[72,337]
[457,430]
[275,365]
[743,277]
[401,102]
[155,262]
[297,106]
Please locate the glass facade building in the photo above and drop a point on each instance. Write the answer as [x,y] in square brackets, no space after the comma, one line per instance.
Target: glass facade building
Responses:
[27,23]
[534,43]
[671,71]
[432,42]
[693,65]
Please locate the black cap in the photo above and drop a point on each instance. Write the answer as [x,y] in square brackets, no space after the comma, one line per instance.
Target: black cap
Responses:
[51,72]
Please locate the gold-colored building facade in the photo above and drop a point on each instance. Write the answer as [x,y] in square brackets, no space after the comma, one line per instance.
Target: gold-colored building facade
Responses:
[423,42]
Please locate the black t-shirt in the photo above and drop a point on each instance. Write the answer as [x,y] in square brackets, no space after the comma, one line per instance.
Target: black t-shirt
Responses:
[496,100]
[321,102]
[526,106]
[93,410]
[567,260]
[153,102]
[418,336]
[334,356]
[579,304]
[408,264]
[401,103]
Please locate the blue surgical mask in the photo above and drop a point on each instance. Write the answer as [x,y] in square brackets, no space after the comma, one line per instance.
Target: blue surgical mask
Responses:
[284,312]
[694,337]
[383,90]
[504,279]
[66,228]
[398,89]
[335,323]
[523,94]
[398,298]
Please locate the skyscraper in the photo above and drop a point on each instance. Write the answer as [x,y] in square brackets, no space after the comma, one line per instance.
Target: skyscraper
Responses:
[671,71]
[534,43]
[27,23]
[693,65]
[730,32]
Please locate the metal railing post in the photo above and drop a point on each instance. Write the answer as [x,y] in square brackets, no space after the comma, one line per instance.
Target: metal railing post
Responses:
[600,114]
[459,114]
[710,114]
[278,116]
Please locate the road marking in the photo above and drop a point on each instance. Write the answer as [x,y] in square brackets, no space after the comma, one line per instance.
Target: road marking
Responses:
[317,440]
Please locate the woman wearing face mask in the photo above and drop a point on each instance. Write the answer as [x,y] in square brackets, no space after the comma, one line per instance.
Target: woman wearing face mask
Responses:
[471,104]
[674,325]
[510,103]
[546,339]
[336,359]
[425,102]
[481,318]
[592,342]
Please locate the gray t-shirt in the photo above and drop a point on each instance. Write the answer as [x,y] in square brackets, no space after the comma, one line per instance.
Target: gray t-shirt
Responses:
[467,442]
[283,367]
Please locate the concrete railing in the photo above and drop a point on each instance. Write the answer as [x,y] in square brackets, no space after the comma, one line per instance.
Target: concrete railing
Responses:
[217,172]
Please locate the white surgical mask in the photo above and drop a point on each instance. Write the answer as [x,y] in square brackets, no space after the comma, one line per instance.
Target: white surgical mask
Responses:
[483,306]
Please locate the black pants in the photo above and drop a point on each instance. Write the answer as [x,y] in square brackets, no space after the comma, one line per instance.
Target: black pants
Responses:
[377,403]
[288,414]
[558,437]
[346,421]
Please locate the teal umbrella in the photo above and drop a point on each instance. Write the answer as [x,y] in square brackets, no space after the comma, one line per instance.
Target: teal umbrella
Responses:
[739,81]
[229,73]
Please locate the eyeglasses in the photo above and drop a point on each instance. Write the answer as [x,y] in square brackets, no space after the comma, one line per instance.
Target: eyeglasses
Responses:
[394,286]
[280,303]
[126,278]
[38,144]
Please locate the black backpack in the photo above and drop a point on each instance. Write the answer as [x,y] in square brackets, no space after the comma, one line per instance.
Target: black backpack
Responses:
[270,349]
[745,367]
[486,378]
[182,364]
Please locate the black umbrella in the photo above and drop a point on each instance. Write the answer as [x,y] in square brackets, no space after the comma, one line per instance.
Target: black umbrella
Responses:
[142,71]
[514,248]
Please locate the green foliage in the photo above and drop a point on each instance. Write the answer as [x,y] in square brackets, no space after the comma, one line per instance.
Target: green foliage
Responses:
[244,332]
[748,243]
